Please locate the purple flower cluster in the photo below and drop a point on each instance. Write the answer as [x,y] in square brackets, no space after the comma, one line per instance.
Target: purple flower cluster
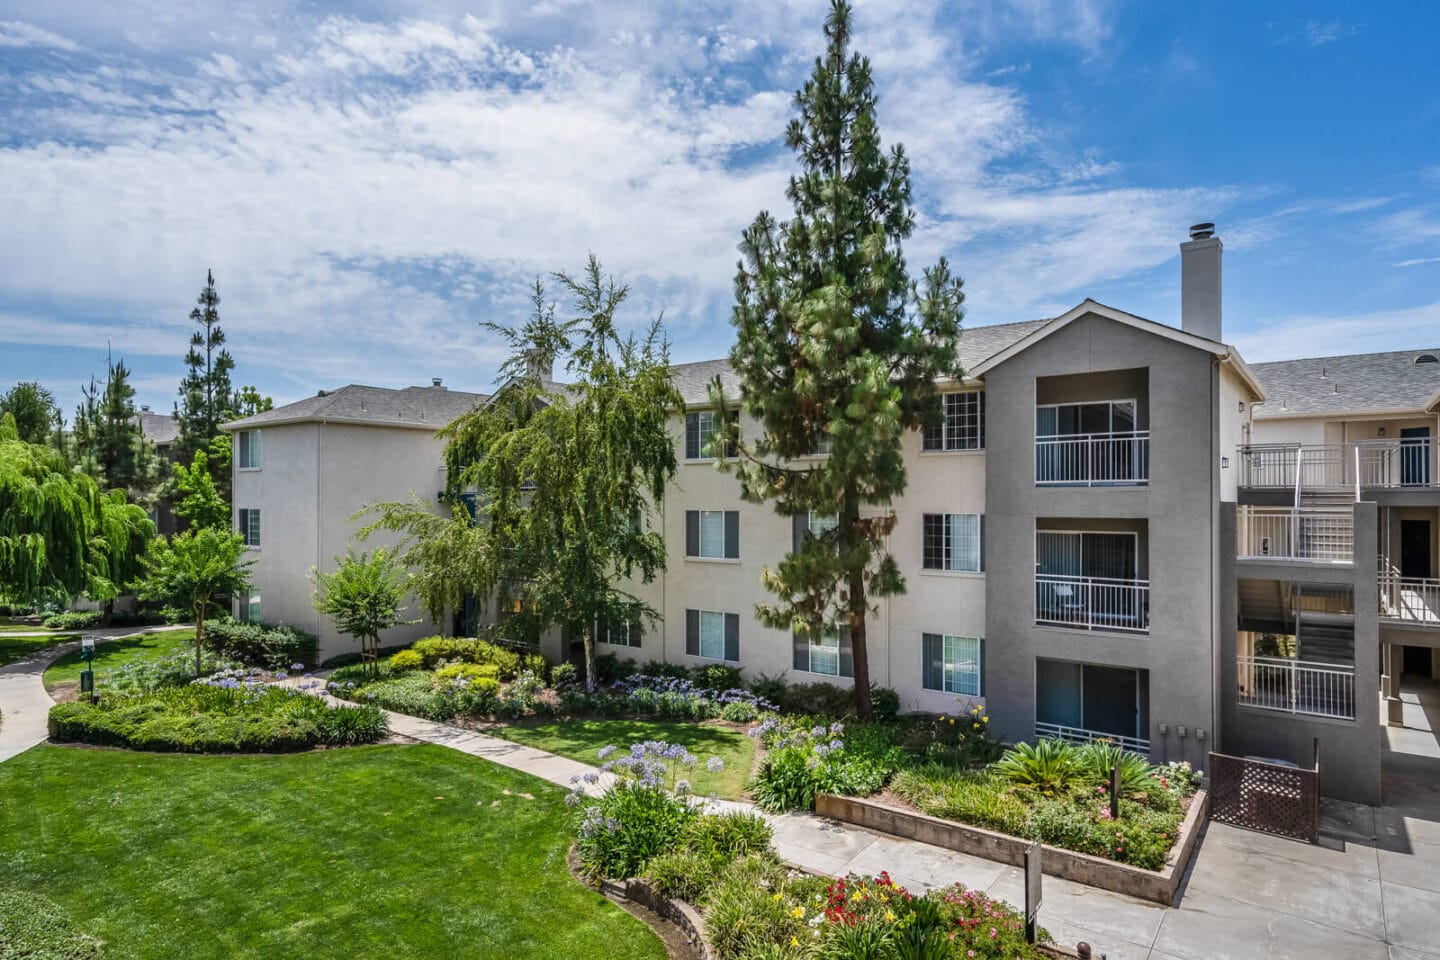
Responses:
[682,687]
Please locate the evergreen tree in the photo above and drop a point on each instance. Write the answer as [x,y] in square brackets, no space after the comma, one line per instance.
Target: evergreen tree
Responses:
[33,408]
[836,346]
[206,397]
[110,445]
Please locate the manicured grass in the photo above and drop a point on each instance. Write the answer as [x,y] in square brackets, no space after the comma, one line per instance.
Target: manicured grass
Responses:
[113,654]
[20,648]
[582,739]
[387,851]
[9,625]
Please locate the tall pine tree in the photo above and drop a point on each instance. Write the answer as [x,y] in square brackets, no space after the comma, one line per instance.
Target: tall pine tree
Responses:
[109,443]
[836,348]
[207,398]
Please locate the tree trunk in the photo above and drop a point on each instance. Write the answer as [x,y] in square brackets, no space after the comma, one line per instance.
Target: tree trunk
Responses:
[859,648]
[199,634]
[590,658]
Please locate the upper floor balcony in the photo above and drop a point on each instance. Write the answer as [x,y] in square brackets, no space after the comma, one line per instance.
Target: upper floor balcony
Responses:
[1313,534]
[1395,463]
[1090,580]
[1093,429]
[1412,601]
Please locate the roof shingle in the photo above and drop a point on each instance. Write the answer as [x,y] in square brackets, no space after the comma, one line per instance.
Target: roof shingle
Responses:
[1353,384]
[412,406]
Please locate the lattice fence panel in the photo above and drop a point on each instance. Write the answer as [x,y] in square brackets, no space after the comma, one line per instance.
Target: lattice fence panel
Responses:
[1265,797]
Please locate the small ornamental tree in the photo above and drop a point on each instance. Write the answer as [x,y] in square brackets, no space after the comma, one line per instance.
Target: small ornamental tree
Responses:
[191,569]
[364,597]
[33,408]
[196,498]
[837,350]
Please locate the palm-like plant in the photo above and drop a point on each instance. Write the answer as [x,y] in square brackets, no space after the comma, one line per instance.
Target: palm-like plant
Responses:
[1047,765]
[1099,758]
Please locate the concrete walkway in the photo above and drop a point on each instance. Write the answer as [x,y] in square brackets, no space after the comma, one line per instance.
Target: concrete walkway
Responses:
[1247,896]
[24,704]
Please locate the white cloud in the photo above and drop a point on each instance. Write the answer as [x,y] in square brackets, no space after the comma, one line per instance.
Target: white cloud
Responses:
[1418,261]
[1286,338]
[16,33]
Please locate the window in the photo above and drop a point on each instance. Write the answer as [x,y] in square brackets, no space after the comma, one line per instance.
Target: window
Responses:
[953,664]
[828,654]
[964,425]
[712,635]
[700,430]
[712,534]
[952,542]
[250,526]
[247,455]
[823,446]
[812,524]
[619,634]
[250,608]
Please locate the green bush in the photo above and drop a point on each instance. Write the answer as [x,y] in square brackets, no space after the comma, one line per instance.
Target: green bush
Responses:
[412,693]
[730,835]
[664,668]
[274,647]
[751,907]
[470,672]
[884,703]
[740,711]
[225,716]
[564,676]
[816,700]
[717,677]
[769,688]
[621,831]
[74,620]
[609,668]
[435,651]
[33,927]
[682,874]
[139,618]
[1096,760]
[407,660]
[156,673]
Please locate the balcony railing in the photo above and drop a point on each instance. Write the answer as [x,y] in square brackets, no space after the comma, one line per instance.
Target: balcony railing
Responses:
[1366,464]
[1081,736]
[1321,534]
[1296,686]
[1410,600]
[1092,603]
[1093,459]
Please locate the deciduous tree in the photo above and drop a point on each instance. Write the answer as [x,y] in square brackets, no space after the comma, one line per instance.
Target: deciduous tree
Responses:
[191,569]
[33,408]
[836,348]
[364,596]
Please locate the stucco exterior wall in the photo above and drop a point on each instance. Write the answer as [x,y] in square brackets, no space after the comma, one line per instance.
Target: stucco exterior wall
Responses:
[312,479]
[1177,506]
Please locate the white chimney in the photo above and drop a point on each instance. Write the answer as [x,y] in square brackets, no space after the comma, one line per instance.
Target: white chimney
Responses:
[1200,282]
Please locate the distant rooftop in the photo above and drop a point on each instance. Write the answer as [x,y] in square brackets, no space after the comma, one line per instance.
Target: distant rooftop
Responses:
[430,407]
[1356,383]
[159,428]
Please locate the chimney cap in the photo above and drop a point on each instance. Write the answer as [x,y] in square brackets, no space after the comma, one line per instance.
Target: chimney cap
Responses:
[436,382]
[1202,231]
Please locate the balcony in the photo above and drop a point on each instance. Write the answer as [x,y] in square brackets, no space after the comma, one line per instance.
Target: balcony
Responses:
[1414,601]
[1296,686]
[1405,463]
[1093,459]
[1092,603]
[1315,534]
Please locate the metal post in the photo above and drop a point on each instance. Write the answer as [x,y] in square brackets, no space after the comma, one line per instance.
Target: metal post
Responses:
[1115,792]
[1033,874]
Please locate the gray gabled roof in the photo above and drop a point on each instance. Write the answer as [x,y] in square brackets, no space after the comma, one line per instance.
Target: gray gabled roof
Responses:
[976,345]
[1357,383]
[415,407]
[159,428]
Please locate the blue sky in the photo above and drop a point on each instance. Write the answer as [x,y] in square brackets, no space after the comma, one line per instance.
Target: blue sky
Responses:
[369,180]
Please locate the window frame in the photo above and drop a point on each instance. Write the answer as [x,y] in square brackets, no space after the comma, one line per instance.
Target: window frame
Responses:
[702,449]
[950,660]
[248,521]
[946,550]
[962,427]
[695,526]
[249,450]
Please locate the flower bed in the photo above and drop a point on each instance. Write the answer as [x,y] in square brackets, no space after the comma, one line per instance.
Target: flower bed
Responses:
[752,906]
[228,713]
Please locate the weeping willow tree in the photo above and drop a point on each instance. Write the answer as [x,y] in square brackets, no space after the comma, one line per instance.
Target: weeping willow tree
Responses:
[562,478]
[47,519]
[121,535]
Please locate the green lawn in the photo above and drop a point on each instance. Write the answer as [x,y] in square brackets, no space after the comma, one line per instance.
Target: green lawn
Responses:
[7,625]
[582,739]
[386,851]
[113,654]
[19,648]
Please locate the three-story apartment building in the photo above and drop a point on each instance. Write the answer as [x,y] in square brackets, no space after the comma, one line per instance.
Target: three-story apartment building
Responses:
[1104,538]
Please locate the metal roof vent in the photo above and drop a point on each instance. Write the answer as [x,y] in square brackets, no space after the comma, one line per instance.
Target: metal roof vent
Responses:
[1427,358]
[1202,231]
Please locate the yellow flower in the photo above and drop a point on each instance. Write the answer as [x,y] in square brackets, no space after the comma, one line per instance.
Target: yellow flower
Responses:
[984,719]
[794,942]
[798,912]
[890,915]
[776,898]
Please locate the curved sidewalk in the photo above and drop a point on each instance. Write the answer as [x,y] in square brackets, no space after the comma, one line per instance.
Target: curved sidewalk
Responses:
[24,704]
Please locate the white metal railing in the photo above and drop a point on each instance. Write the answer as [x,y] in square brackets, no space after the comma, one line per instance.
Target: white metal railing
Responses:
[1092,459]
[1081,736]
[1325,534]
[1092,603]
[1358,464]
[1409,599]
[1296,686]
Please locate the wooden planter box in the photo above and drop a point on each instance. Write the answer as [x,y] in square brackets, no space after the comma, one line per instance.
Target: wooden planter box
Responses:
[1157,886]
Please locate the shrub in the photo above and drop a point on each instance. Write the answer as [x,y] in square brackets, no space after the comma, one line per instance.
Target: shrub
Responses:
[74,620]
[663,668]
[138,618]
[962,741]
[1046,765]
[884,703]
[274,647]
[411,693]
[564,676]
[752,906]
[798,766]
[435,651]
[469,672]
[610,668]
[407,660]
[1098,759]
[817,699]
[643,700]
[219,715]
[33,927]
[771,689]
[681,874]
[629,825]
[739,712]
[157,673]
[716,677]
[730,835]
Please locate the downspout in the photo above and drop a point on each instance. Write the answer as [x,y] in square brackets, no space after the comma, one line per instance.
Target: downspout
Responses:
[319,465]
